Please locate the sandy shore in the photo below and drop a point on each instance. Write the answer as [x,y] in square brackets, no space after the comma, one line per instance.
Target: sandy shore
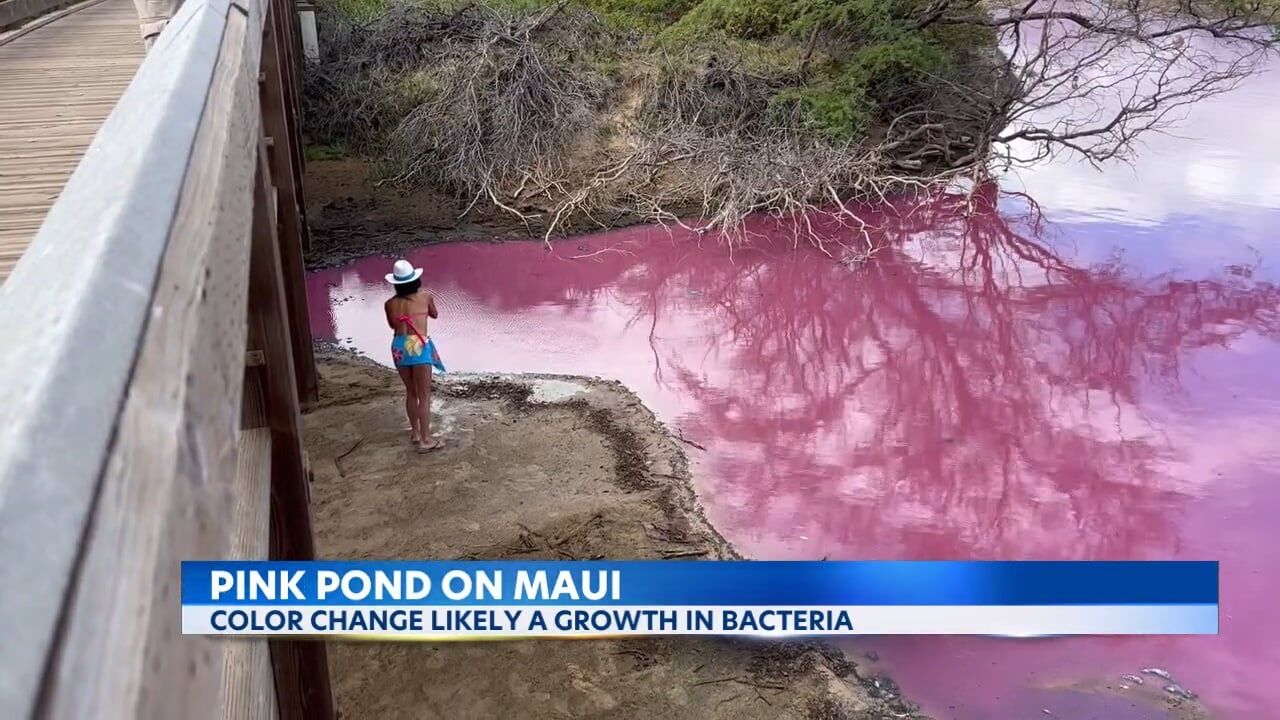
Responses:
[540,468]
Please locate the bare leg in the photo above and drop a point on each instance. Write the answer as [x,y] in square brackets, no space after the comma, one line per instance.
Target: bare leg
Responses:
[422,384]
[411,403]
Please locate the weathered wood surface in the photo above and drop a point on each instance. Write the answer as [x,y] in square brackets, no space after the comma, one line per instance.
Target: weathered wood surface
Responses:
[166,495]
[249,693]
[301,667]
[125,451]
[279,117]
[119,459]
[57,85]
[248,688]
[110,230]
[16,12]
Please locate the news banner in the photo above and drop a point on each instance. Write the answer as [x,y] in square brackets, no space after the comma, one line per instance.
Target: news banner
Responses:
[531,599]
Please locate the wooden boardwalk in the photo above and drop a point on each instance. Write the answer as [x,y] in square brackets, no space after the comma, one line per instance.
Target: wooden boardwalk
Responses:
[58,82]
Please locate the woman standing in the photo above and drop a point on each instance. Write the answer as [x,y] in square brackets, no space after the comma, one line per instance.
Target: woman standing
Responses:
[412,349]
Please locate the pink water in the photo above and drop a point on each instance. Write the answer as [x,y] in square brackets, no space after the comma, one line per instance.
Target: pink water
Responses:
[1099,385]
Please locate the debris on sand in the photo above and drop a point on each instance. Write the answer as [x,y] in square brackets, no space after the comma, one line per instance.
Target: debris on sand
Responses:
[579,469]
[1178,691]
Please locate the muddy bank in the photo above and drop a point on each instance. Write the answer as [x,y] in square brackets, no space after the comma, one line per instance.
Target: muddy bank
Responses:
[541,468]
[351,216]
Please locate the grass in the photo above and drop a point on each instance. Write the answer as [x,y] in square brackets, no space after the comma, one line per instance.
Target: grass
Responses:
[841,66]
[467,95]
[321,152]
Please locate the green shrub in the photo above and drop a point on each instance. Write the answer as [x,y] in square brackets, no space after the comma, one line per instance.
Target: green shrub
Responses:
[357,11]
[749,19]
[839,114]
[646,15]
[314,153]
[837,70]
[885,71]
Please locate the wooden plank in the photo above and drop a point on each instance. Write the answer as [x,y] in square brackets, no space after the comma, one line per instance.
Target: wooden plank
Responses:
[155,216]
[251,497]
[112,224]
[292,62]
[253,411]
[291,216]
[301,667]
[17,12]
[248,692]
[58,82]
[166,493]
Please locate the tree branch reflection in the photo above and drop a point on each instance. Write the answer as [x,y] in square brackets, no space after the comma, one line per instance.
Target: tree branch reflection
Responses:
[969,393]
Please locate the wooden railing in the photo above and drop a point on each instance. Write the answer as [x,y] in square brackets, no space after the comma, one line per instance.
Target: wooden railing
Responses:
[155,352]
[16,12]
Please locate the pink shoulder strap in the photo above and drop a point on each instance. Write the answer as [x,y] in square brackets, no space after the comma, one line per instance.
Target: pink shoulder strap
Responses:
[408,320]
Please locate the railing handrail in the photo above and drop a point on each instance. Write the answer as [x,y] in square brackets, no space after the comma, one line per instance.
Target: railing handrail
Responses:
[73,316]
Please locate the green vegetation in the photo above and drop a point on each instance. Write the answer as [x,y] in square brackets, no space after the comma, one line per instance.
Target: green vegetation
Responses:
[558,109]
[324,152]
[553,109]
[843,65]
[357,11]
[644,15]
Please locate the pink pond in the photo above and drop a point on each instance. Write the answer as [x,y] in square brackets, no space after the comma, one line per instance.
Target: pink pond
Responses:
[1102,383]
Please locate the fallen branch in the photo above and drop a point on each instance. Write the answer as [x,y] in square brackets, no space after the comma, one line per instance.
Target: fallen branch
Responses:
[337,460]
[670,555]
[743,681]
[601,252]
[687,441]
[715,682]
[578,529]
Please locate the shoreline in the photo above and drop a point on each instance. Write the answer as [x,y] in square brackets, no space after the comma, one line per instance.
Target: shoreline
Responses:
[351,218]
[398,212]
[571,468]
[1172,707]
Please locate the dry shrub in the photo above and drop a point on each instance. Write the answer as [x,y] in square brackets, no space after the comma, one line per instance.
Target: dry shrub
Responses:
[551,116]
[710,145]
[507,103]
[540,110]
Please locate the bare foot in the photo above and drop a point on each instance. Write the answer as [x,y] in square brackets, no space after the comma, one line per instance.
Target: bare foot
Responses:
[434,444]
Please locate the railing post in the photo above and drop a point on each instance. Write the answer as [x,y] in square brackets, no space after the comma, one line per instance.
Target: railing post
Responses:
[279,113]
[307,28]
[301,667]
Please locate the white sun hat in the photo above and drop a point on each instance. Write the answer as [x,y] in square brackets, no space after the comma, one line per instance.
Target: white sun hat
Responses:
[402,272]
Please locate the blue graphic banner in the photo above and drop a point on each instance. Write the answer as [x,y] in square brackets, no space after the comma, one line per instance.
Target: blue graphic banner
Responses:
[699,583]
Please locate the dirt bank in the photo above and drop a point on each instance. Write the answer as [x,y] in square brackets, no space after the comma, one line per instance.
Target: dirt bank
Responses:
[352,216]
[541,467]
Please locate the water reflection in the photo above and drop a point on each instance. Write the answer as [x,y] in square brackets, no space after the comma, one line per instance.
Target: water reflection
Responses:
[975,391]
[970,394]
[1218,164]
